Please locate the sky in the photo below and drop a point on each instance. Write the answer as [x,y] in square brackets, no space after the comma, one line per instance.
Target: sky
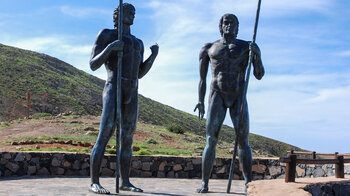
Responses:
[303,98]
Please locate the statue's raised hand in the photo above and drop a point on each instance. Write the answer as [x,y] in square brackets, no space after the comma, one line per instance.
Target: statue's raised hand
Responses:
[200,107]
[154,48]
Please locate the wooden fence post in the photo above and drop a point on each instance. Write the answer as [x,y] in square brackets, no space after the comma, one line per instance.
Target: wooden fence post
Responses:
[339,167]
[291,168]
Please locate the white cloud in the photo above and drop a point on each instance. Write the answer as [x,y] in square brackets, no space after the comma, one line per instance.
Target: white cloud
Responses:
[83,12]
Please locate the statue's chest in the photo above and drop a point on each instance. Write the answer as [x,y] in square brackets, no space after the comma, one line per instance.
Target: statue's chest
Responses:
[131,44]
[226,52]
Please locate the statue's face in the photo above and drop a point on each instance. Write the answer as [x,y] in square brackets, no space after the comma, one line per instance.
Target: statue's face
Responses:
[229,26]
[129,16]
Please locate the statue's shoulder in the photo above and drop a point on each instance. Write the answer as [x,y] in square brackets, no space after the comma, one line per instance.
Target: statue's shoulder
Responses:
[243,43]
[107,35]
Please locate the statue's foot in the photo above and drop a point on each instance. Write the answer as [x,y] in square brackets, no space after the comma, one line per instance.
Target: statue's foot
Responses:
[97,188]
[130,187]
[203,189]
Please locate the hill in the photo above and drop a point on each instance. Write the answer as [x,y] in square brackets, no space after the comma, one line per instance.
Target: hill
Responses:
[70,89]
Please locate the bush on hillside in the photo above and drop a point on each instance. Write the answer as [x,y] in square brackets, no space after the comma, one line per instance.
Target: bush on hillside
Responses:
[174,128]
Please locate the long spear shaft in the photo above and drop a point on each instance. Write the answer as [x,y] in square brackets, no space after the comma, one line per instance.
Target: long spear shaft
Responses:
[244,95]
[119,95]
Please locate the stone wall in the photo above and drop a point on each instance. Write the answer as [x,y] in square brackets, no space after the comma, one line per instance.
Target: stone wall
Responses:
[76,164]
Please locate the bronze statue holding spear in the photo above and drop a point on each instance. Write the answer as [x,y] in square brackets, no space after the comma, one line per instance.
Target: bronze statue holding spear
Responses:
[229,59]
[123,59]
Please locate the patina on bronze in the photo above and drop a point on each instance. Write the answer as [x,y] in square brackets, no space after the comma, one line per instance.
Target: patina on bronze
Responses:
[228,58]
[105,51]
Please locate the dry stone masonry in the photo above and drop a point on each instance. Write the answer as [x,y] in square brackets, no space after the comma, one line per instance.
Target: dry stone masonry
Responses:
[77,164]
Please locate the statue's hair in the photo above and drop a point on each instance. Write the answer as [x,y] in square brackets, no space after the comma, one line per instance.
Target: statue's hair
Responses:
[126,6]
[222,20]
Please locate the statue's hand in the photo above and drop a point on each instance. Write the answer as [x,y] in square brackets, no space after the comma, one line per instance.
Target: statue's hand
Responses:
[254,48]
[200,107]
[155,48]
[116,45]
[259,72]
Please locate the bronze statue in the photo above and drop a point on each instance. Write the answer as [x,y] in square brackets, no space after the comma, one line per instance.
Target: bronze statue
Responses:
[105,51]
[228,59]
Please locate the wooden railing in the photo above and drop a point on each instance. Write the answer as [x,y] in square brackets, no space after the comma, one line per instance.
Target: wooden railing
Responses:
[292,161]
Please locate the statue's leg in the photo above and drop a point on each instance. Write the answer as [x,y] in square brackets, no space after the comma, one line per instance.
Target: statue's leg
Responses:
[129,120]
[244,151]
[215,117]
[107,127]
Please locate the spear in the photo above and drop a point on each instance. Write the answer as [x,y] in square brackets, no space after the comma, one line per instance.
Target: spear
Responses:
[119,91]
[244,95]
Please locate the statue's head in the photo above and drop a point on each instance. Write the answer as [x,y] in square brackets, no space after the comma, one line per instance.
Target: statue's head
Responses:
[228,24]
[128,14]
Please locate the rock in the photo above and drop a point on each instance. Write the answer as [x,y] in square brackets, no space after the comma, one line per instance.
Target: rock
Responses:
[7,156]
[275,170]
[300,172]
[48,142]
[146,174]
[170,174]
[107,172]
[181,174]
[113,165]
[12,167]
[20,157]
[135,148]
[76,164]
[160,174]
[177,167]
[28,156]
[67,164]
[3,161]
[222,170]
[91,129]
[31,170]
[37,146]
[196,161]
[189,166]
[146,166]
[19,148]
[161,166]
[14,143]
[69,142]
[346,169]
[260,168]
[136,164]
[43,172]
[57,171]
[85,165]
[55,162]
[318,172]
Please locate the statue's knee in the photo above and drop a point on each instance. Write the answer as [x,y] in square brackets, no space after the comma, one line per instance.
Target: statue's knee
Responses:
[212,140]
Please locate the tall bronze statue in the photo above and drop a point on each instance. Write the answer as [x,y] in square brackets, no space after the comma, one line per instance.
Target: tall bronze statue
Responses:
[105,51]
[228,59]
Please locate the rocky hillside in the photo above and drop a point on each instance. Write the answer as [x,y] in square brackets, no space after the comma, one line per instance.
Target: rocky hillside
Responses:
[70,89]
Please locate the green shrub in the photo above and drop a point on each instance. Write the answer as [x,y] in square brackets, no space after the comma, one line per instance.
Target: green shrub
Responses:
[151,141]
[174,128]
[40,115]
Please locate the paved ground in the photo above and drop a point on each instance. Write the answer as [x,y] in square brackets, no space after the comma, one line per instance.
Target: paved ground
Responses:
[24,186]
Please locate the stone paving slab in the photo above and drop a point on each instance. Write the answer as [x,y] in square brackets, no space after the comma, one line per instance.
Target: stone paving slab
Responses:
[25,186]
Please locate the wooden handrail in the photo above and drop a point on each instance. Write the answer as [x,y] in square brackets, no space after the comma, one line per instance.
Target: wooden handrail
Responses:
[292,160]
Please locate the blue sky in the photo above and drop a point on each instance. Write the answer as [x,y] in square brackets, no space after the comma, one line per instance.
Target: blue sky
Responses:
[303,98]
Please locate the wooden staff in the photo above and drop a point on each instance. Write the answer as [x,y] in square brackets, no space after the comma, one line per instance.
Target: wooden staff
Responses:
[244,95]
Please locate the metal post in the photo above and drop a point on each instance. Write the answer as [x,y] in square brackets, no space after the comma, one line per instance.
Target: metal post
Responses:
[119,91]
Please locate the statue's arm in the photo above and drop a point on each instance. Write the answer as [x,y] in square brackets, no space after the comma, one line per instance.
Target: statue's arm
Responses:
[146,66]
[203,70]
[101,49]
[256,60]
